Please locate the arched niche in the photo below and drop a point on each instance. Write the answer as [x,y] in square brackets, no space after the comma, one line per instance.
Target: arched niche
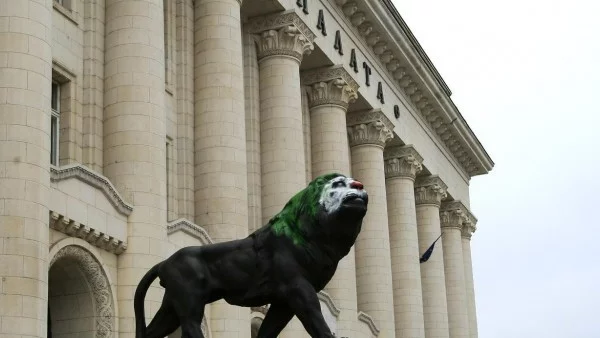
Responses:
[80,299]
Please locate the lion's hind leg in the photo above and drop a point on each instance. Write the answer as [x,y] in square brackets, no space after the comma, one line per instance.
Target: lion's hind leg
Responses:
[191,324]
[164,322]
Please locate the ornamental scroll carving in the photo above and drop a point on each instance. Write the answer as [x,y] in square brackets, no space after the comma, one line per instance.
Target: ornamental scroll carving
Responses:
[369,128]
[99,285]
[331,85]
[402,161]
[282,34]
[430,190]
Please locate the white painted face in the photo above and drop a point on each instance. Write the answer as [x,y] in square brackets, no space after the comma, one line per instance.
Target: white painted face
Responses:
[339,189]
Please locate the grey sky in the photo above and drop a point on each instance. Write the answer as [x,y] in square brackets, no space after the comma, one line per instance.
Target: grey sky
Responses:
[526,76]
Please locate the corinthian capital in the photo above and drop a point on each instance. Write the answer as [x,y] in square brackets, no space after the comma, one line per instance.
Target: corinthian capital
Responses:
[402,161]
[453,214]
[330,85]
[469,226]
[430,190]
[371,127]
[282,34]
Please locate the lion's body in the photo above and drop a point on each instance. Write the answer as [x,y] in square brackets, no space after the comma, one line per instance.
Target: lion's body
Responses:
[279,264]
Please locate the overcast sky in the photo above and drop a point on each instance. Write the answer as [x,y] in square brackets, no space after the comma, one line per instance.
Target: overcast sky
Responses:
[526,77]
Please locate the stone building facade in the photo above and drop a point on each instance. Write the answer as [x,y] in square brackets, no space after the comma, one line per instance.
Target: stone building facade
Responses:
[132,128]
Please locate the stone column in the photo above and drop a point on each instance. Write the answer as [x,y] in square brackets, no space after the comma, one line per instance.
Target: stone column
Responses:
[368,132]
[221,182]
[252,100]
[330,90]
[184,95]
[282,41]
[452,217]
[135,141]
[25,87]
[429,191]
[402,163]
[467,230]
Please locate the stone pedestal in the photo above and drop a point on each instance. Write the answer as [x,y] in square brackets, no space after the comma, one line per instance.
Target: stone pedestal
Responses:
[330,90]
[452,217]
[25,87]
[402,163]
[368,132]
[134,141]
[429,192]
[467,230]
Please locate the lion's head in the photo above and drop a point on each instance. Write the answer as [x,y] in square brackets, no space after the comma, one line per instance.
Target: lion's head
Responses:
[331,203]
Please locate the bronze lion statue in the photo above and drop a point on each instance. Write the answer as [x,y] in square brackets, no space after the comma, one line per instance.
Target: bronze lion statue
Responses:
[285,264]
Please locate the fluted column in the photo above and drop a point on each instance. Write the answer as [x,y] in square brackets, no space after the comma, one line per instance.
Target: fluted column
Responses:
[221,182]
[429,192]
[330,90]
[402,163]
[282,41]
[368,133]
[467,230]
[25,82]
[452,216]
[134,140]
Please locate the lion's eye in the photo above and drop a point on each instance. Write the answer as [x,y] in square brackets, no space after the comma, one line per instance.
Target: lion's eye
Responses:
[338,184]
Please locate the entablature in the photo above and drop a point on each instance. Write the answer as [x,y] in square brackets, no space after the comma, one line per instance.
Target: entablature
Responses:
[397,53]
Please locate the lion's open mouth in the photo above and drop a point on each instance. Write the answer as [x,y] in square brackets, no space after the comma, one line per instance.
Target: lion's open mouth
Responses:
[354,198]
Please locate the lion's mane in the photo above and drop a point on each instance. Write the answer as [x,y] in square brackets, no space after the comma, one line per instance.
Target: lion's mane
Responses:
[300,212]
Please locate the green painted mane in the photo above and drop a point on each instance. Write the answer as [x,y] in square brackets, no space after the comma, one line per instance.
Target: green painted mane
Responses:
[300,211]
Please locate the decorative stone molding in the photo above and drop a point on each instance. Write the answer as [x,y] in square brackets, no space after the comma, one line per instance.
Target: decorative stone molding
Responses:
[402,161]
[282,34]
[453,214]
[365,318]
[330,85]
[371,127]
[99,285]
[96,238]
[424,87]
[325,298]
[189,228]
[94,179]
[430,190]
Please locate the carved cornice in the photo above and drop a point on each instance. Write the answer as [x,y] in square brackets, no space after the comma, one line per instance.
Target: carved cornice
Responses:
[99,286]
[330,85]
[189,228]
[96,238]
[325,298]
[282,34]
[365,318]
[430,190]
[94,179]
[453,214]
[371,127]
[424,88]
[402,161]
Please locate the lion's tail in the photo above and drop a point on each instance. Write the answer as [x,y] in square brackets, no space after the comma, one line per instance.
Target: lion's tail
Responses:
[138,301]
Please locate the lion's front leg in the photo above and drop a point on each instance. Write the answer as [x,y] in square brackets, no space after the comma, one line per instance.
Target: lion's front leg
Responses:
[303,300]
[275,320]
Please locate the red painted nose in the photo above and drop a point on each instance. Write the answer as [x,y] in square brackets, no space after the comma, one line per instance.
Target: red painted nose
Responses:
[356,185]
